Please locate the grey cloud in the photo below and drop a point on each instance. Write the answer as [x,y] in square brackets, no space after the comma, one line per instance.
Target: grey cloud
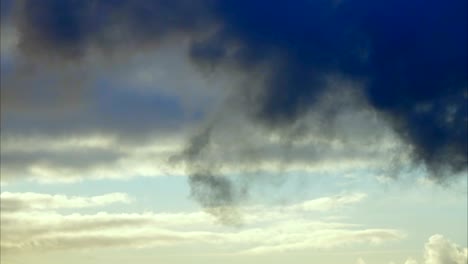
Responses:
[327,139]
[15,164]
[132,99]
[71,28]
[356,44]
[78,157]
[217,195]
[286,59]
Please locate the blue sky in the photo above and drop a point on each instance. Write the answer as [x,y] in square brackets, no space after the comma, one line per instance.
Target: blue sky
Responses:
[235,132]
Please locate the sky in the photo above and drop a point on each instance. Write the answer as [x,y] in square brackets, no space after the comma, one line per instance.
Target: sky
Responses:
[222,131]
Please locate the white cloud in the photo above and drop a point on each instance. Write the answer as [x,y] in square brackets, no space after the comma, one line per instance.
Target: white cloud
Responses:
[360,261]
[12,202]
[325,239]
[328,203]
[439,250]
[266,229]
[94,156]
[411,261]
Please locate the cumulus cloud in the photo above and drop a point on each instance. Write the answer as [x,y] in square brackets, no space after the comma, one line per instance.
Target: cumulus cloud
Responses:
[266,229]
[439,250]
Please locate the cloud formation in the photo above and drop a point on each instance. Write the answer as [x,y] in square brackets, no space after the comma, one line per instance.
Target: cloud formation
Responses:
[12,202]
[407,63]
[414,70]
[355,140]
[39,228]
[360,261]
[439,250]
[411,261]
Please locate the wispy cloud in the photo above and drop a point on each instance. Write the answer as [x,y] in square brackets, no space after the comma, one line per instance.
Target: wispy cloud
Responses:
[266,229]
[13,202]
[328,203]
[87,155]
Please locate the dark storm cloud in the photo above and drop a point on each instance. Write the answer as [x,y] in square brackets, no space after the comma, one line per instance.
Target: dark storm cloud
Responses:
[5,9]
[411,57]
[137,116]
[409,54]
[69,28]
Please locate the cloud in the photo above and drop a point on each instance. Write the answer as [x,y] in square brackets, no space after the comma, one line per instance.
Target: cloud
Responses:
[12,202]
[357,42]
[325,141]
[439,250]
[411,261]
[354,141]
[360,261]
[403,68]
[83,156]
[327,239]
[298,55]
[266,229]
[9,39]
[328,203]
[81,26]
[298,69]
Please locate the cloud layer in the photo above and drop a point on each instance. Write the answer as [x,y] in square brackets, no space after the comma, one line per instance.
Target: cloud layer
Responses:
[266,229]
[305,86]
[414,67]
[12,202]
[353,140]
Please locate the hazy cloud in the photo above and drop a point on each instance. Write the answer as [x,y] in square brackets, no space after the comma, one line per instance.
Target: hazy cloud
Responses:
[360,261]
[353,140]
[12,202]
[411,261]
[39,227]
